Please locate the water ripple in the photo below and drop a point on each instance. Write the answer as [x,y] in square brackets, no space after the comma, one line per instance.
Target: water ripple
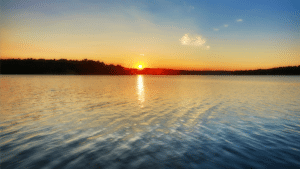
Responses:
[152,122]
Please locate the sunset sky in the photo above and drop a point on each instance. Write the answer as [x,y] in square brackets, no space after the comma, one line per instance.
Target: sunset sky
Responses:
[177,34]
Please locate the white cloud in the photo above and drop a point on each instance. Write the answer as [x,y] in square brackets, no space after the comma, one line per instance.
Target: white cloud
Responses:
[225,26]
[216,29]
[207,47]
[186,40]
[239,20]
[199,41]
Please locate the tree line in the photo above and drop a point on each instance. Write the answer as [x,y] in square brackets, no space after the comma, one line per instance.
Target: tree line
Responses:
[61,66]
[91,67]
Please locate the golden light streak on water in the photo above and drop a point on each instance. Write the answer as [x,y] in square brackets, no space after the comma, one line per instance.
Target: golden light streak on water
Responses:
[142,121]
[140,89]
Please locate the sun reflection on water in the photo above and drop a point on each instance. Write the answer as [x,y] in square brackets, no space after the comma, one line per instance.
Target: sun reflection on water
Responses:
[108,118]
[140,89]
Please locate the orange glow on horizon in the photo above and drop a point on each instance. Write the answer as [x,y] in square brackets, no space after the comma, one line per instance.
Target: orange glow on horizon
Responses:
[139,65]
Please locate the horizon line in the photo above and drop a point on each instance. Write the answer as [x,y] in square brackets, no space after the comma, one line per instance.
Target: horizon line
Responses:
[177,69]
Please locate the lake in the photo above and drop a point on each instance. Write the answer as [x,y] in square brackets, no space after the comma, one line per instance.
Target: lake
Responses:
[149,121]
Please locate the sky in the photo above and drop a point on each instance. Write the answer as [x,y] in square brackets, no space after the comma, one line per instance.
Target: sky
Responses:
[176,34]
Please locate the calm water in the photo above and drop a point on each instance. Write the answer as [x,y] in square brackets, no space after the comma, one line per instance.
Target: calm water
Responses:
[150,122]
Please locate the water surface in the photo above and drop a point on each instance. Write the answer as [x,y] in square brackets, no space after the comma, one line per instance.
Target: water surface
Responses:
[150,122]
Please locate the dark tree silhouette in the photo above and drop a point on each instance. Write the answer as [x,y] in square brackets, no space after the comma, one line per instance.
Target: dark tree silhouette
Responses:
[90,67]
[62,66]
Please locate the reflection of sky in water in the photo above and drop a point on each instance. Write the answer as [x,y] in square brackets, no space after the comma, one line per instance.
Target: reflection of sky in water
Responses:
[186,122]
[140,89]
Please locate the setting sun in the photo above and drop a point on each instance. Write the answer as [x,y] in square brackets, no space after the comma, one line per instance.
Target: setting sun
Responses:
[140,65]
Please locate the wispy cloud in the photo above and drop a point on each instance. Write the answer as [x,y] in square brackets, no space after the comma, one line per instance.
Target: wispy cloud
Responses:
[207,47]
[185,40]
[239,20]
[216,29]
[197,41]
[225,26]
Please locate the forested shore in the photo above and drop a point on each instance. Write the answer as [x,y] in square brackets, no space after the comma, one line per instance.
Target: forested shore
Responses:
[91,67]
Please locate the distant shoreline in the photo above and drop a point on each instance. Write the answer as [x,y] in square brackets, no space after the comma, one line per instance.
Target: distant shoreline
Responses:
[90,67]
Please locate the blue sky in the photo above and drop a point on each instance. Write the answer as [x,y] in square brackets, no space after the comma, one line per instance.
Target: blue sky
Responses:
[208,34]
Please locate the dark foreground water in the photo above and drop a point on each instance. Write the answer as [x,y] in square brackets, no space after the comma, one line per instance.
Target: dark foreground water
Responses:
[150,122]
